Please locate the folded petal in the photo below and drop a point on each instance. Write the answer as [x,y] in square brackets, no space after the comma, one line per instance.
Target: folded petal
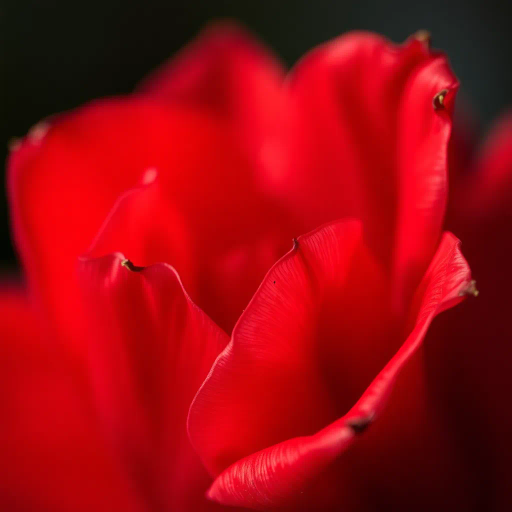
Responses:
[53,456]
[423,148]
[150,348]
[365,140]
[277,409]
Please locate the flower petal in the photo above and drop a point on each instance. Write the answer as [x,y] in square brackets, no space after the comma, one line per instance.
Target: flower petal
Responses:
[150,348]
[470,349]
[365,141]
[486,189]
[66,175]
[277,408]
[53,456]
[230,74]
[77,169]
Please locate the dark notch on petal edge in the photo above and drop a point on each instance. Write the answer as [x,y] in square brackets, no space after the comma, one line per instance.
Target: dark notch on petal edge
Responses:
[438,100]
[470,289]
[130,266]
[359,425]
[295,243]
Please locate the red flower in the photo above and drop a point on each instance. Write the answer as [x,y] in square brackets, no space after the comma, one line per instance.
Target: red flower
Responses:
[213,166]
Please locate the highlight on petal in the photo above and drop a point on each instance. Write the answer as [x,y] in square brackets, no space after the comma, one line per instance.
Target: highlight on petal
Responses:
[53,454]
[422,172]
[277,409]
[150,348]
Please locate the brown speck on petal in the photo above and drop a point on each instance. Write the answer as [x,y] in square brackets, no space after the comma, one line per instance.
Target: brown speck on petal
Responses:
[130,266]
[438,100]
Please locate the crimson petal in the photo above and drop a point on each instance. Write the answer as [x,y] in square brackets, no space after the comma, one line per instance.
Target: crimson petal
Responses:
[361,122]
[227,72]
[470,351]
[53,454]
[277,408]
[150,348]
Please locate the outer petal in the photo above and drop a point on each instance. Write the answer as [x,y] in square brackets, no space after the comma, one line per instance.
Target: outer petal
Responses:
[471,380]
[67,173]
[486,188]
[365,141]
[229,73]
[287,372]
[64,182]
[150,348]
[53,457]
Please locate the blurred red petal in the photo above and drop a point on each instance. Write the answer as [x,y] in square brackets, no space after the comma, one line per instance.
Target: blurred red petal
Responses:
[64,180]
[150,348]
[229,73]
[53,456]
[486,188]
[470,350]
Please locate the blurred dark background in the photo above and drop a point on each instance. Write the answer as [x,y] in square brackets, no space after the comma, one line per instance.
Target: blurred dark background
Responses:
[57,55]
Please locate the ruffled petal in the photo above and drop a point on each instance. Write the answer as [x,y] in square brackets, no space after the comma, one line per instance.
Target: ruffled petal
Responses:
[53,456]
[149,348]
[278,406]
[366,140]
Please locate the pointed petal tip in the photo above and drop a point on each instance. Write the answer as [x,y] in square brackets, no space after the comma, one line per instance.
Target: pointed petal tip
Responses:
[130,266]
[470,289]
[445,98]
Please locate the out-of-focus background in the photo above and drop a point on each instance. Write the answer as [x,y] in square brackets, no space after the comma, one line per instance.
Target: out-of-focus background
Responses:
[57,55]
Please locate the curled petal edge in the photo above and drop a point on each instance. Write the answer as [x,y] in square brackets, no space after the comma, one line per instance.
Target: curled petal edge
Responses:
[273,476]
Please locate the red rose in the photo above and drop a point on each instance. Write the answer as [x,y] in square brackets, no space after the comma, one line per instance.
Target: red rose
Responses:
[325,396]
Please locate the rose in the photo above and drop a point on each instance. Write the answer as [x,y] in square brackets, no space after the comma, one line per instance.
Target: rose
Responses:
[217,164]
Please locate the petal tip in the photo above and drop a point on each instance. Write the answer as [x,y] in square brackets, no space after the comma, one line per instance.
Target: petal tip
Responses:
[423,36]
[37,133]
[126,263]
[470,289]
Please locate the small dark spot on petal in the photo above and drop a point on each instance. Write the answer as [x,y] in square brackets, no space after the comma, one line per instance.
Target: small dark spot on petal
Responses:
[470,289]
[130,266]
[359,425]
[438,100]
[295,243]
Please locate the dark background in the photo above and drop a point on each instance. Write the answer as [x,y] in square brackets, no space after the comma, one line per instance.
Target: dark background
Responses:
[57,55]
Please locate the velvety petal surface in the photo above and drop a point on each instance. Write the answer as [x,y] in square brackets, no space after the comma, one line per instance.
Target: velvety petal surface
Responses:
[277,409]
[150,349]
[366,139]
[53,456]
